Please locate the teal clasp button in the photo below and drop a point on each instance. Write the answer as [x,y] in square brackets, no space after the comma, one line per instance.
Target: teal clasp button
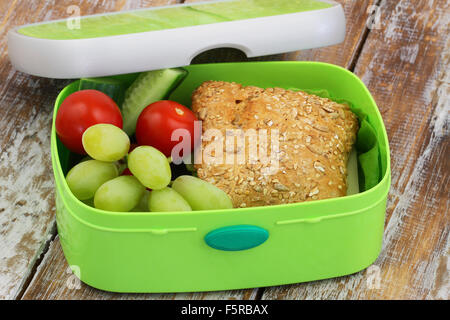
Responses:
[236,238]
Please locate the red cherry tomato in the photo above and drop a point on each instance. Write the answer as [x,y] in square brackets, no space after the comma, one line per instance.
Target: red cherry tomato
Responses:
[126,172]
[83,109]
[157,122]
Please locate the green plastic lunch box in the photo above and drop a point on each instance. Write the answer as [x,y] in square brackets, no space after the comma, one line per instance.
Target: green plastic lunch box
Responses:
[262,246]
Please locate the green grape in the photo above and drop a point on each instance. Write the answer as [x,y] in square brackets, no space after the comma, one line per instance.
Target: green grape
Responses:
[167,200]
[86,177]
[150,166]
[142,206]
[106,142]
[120,194]
[201,195]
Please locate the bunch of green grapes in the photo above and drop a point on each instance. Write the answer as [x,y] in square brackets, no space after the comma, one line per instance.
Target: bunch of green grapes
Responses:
[146,188]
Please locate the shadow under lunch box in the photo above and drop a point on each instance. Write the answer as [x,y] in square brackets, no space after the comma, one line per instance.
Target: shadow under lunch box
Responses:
[171,252]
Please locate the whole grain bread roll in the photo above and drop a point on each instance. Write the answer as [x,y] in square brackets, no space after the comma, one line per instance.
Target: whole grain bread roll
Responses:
[309,161]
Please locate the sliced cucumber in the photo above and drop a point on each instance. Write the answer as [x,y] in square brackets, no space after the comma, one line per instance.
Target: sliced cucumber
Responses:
[149,87]
[109,86]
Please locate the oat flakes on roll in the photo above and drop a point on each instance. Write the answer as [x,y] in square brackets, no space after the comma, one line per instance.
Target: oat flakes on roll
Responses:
[316,136]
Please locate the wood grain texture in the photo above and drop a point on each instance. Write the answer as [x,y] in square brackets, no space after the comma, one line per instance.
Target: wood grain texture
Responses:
[26,105]
[405,64]
[48,282]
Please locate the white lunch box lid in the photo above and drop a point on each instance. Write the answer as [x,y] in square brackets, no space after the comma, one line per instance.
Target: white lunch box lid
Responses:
[171,36]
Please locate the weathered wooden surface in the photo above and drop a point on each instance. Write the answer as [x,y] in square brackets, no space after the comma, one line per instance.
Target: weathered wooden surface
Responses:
[403,64]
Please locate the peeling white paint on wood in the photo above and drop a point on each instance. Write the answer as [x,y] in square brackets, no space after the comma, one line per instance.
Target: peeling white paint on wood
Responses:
[26,200]
[409,53]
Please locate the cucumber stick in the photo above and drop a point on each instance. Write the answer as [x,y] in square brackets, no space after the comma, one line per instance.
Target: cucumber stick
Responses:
[149,87]
[114,88]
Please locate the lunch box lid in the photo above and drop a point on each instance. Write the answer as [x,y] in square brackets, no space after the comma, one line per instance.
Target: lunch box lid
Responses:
[171,36]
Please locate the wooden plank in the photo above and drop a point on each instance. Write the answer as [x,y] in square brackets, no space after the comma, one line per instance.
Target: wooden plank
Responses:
[26,183]
[49,280]
[405,64]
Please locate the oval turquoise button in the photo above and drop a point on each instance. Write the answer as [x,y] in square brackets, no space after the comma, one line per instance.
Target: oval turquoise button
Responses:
[235,238]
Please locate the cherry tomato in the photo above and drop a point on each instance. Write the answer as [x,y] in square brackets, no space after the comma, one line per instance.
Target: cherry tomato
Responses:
[126,172]
[83,109]
[157,122]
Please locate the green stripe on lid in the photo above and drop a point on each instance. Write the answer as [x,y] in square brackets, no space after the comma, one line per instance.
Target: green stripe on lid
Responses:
[168,18]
